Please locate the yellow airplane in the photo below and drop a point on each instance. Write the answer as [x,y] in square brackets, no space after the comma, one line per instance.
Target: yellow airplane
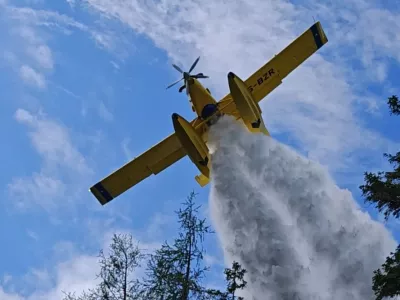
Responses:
[190,138]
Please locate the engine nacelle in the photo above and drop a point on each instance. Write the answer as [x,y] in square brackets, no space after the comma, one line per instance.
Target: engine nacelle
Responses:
[194,145]
[249,109]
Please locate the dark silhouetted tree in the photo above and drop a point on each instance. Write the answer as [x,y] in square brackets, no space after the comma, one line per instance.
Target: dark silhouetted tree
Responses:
[394,105]
[386,281]
[116,272]
[383,190]
[235,279]
[175,271]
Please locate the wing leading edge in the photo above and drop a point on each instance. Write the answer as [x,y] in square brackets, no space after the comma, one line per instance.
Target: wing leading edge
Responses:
[270,76]
[153,161]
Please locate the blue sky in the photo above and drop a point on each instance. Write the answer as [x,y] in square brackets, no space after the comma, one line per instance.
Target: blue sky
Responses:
[83,91]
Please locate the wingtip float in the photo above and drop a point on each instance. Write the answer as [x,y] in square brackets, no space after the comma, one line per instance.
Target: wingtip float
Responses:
[190,138]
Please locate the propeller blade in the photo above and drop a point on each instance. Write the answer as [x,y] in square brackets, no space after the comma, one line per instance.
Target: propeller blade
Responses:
[182,88]
[177,68]
[194,64]
[171,85]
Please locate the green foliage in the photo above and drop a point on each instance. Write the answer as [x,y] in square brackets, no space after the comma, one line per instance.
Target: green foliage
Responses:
[116,272]
[383,189]
[175,271]
[235,279]
[394,105]
[386,282]
[117,269]
[85,296]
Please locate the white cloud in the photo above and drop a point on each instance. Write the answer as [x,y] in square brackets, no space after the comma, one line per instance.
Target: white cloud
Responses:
[159,222]
[104,113]
[43,56]
[53,142]
[71,3]
[38,279]
[115,65]
[30,29]
[361,27]
[67,91]
[32,51]
[103,39]
[31,17]
[32,77]
[75,275]
[34,1]
[6,279]
[10,57]
[52,20]
[62,166]
[66,250]
[316,105]
[75,271]
[27,33]
[9,296]
[38,189]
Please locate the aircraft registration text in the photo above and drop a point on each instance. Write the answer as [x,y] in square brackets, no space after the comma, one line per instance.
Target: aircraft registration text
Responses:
[262,79]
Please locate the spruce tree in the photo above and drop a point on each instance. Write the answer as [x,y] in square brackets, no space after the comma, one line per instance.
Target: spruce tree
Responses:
[116,272]
[235,280]
[383,190]
[175,270]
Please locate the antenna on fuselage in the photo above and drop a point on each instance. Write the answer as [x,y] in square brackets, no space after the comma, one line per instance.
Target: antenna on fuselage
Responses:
[187,76]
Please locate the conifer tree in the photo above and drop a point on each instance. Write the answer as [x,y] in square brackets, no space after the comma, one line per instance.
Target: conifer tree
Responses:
[383,190]
[175,270]
[235,280]
[116,272]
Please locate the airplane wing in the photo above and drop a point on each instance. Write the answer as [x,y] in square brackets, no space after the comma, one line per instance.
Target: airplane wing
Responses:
[270,76]
[153,161]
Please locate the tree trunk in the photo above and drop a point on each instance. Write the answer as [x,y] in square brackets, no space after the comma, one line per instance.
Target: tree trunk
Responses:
[185,294]
[125,275]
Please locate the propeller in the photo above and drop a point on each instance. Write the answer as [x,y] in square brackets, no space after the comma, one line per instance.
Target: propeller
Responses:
[187,76]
